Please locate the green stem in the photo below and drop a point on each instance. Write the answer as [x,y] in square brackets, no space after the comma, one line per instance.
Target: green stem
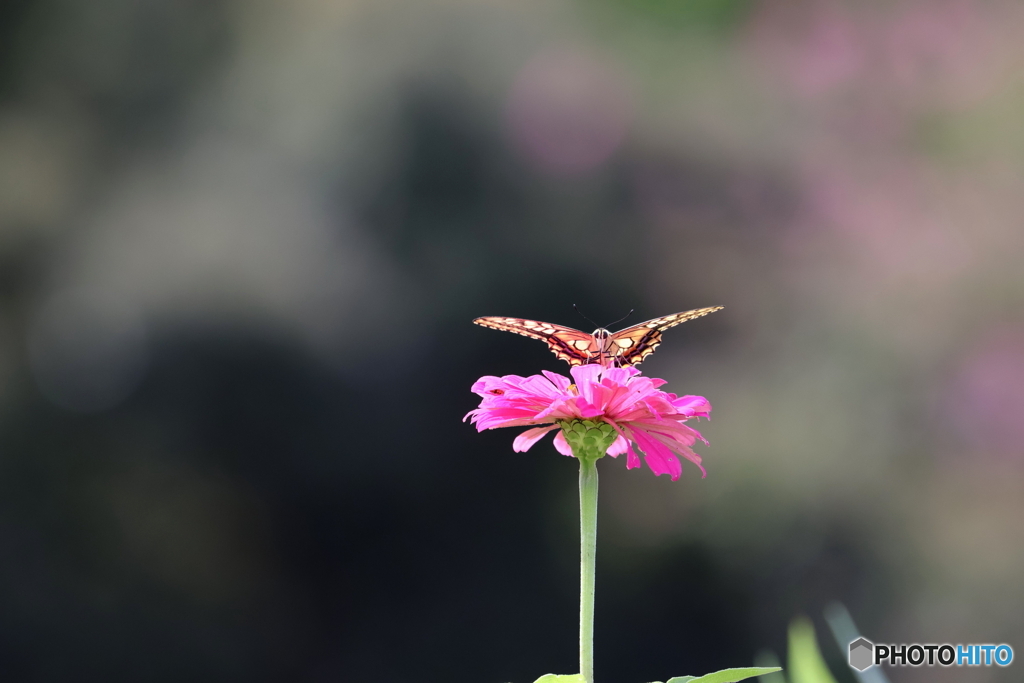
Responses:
[588,554]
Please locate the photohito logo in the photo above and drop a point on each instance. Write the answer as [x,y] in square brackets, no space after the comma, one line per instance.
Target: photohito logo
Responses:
[865,654]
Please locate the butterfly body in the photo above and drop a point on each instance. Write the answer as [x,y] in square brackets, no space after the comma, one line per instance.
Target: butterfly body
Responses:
[625,347]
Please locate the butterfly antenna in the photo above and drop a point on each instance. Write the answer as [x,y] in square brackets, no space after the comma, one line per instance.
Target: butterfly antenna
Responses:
[621,319]
[584,316]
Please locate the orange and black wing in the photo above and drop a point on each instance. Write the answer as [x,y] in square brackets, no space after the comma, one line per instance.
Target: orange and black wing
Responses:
[633,344]
[572,346]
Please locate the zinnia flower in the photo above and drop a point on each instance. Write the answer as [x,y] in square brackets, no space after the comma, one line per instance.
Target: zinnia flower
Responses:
[606,411]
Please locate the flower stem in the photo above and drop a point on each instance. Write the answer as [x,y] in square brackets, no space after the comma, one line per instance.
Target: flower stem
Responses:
[588,554]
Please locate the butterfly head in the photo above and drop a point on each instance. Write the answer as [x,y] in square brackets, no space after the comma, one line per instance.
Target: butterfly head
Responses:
[602,339]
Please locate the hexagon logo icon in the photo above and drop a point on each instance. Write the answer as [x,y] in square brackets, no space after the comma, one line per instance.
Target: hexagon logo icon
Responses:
[862,653]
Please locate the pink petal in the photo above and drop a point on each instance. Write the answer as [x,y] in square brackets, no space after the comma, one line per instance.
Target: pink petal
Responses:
[558,409]
[587,410]
[695,459]
[632,459]
[541,388]
[654,411]
[525,440]
[693,406]
[618,447]
[620,375]
[561,445]
[486,384]
[664,463]
[677,431]
[676,437]
[503,417]
[560,381]
[658,457]
[586,376]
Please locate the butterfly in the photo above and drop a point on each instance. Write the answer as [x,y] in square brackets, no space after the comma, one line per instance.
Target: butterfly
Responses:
[622,348]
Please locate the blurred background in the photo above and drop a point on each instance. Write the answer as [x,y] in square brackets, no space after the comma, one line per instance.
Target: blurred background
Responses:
[242,243]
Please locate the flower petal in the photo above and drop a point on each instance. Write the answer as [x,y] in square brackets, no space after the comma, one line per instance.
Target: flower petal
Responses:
[632,459]
[678,438]
[693,406]
[525,440]
[658,457]
[561,445]
[561,382]
[586,377]
[558,409]
[586,410]
[618,447]
[486,384]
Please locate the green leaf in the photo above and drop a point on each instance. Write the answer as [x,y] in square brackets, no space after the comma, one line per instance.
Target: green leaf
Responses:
[727,675]
[566,678]
[806,664]
[768,659]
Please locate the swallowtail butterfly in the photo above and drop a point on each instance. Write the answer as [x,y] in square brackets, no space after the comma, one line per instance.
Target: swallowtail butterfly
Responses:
[625,347]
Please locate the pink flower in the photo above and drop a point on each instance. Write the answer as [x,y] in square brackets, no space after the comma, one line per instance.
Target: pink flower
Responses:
[631,404]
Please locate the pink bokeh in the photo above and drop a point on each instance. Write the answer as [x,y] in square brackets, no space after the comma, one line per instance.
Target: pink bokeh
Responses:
[943,51]
[814,46]
[568,111]
[892,220]
[985,400]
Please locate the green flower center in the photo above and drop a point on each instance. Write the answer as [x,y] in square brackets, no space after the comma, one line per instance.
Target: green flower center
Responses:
[589,439]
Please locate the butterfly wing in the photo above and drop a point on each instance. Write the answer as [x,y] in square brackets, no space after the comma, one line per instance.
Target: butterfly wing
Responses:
[633,344]
[572,346]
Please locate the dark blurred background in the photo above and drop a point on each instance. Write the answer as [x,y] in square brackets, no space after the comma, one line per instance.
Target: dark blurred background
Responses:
[241,244]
